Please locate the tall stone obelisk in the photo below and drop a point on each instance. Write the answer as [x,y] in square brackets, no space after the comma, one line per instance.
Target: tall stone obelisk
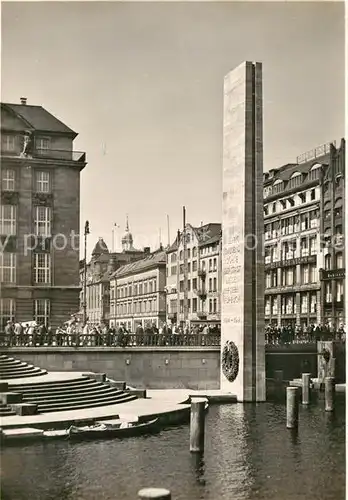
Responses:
[242,335]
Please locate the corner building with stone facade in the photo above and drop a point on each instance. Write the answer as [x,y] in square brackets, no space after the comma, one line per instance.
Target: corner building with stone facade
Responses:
[304,239]
[39,216]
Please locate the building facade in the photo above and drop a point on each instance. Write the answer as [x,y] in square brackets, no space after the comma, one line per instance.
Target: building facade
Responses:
[198,273]
[99,270]
[39,216]
[304,256]
[137,293]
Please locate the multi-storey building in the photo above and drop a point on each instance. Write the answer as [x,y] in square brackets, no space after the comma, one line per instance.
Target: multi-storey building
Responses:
[137,292]
[201,276]
[304,258]
[98,274]
[39,216]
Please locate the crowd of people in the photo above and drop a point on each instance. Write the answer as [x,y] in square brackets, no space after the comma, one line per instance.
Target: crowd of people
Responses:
[74,333]
[303,334]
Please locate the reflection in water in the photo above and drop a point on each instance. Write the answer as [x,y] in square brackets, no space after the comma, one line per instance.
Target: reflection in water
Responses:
[249,454]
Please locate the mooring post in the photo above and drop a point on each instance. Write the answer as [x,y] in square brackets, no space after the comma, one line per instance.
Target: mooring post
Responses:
[154,493]
[306,378]
[292,404]
[197,424]
[329,393]
[278,380]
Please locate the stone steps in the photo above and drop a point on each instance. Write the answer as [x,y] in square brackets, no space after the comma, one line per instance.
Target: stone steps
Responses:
[85,404]
[58,396]
[11,368]
[6,411]
[64,385]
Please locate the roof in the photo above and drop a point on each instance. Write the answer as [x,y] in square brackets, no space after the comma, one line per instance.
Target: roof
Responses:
[206,235]
[100,248]
[38,118]
[153,260]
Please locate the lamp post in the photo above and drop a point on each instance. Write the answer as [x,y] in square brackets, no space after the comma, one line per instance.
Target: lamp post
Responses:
[85,274]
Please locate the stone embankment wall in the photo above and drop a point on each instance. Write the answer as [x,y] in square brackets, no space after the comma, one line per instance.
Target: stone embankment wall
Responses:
[163,368]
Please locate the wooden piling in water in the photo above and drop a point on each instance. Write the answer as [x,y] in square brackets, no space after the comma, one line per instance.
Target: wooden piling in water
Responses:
[329,393]
[197,423]
[292,407]
[306,379]
[154,494]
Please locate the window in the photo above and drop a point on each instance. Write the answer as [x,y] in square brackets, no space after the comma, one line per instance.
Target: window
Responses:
[173,270]
[312,194]
[42,311]
[313,303]
[314,172]
[181,286]
[214,306]
[214,285]
[313,274]
[304,303]
[304,247]
[42,182]
[130,290]
[150,286]
[181,255]
[277,187]
[135,289]
[182,306]
[295,180]
[173,306]
[189,285]
[42,268]
[8,142]
[194,266]
[42,221]
[173,258]
[189,267]
[7,312]
[8,179]
[274,305]
[7,267]
[288,276]
[288,304]
[268,279]
[181,269]
[140,288]
[154,285]
[274,207]
[339,290]
[8,219]
[194,305]
[210,285]
[188,253]
[304,221]
[339,260]
[215,264]
[42,144]
[210,306]
[327,262]
[313,246]
[267,306]
[194,252]
[328,292]
[210,265]
[304,274]
[194,284]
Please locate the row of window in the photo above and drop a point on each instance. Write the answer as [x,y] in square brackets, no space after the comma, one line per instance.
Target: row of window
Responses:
[212,287]
[293,224]
[295,180]
[212,267]
[291,201]
[192,306]
[136,307]
[41,268]
[10,142]
[42,220]
[41,311]
[139,288]
[41,180]
[308,304]
[287,277]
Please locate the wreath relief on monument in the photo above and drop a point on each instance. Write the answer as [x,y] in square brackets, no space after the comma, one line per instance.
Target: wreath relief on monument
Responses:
[230,361]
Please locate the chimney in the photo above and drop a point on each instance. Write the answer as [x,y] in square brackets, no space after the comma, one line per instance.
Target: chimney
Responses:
[23,101]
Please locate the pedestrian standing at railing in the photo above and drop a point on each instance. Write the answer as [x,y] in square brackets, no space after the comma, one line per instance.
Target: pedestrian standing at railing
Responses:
[9,332]
[18,333]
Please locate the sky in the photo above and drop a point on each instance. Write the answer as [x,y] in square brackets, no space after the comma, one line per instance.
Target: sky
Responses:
[142,84]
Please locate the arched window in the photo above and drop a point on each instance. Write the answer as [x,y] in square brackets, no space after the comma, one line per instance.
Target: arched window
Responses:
[194,252]
[338,207]
[295,180]
[278,186]
[181,255]
[314,172]
[327,262]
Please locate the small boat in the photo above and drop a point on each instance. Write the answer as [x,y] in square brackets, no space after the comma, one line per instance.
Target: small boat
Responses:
[107,431]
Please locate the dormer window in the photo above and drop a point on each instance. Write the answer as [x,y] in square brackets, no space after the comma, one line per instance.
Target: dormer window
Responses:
[42,144]
[314,172]
[278,186]
[8,142]
[295,180]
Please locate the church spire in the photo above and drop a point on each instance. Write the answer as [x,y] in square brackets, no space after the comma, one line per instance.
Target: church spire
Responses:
[127,224]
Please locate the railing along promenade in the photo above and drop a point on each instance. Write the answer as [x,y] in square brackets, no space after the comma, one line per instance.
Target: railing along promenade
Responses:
[135,340]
